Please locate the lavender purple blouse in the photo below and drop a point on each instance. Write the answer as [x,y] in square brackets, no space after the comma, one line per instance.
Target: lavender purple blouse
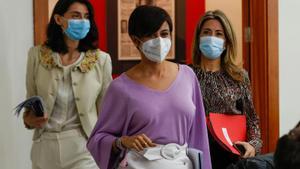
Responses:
[175,115]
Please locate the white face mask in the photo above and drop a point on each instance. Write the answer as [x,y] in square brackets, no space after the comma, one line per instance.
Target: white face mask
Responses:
[156,49]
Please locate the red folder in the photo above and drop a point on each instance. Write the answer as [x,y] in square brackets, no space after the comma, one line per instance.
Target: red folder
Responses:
[227,129]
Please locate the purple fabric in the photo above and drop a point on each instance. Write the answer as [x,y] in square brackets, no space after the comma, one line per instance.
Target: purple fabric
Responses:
[175,115]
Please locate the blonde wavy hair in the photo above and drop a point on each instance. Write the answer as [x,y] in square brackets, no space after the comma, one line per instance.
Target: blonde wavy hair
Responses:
[229,55]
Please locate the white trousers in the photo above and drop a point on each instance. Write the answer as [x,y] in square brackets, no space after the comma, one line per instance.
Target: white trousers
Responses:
[170,156]
[64,150]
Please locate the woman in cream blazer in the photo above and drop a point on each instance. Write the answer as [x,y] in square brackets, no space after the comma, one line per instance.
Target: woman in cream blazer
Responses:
[71,75]
[90,79]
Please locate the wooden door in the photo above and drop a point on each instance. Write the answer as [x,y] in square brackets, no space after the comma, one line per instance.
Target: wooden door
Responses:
[260,49]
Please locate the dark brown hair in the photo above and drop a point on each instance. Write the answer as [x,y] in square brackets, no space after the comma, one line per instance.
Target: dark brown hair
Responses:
[146,20]
[55,36]
[287,154]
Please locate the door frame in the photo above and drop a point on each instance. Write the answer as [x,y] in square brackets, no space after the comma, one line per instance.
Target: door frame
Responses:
[262,62]
[40,20]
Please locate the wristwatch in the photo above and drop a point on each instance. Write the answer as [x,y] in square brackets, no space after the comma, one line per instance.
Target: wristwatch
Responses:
[119,144]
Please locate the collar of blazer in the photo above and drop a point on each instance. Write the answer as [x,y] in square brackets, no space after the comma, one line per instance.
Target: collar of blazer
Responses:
[89,61]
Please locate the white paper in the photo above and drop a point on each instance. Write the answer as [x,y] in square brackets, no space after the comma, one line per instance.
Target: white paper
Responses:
[225,133]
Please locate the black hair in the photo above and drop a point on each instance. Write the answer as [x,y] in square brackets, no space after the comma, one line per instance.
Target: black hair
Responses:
[145,20]
[55,36]
[287,154]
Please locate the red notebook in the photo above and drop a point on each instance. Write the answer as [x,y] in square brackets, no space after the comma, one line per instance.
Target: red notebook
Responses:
[227,129]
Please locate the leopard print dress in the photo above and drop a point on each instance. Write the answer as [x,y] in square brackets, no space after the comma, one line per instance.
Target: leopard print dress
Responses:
[222,94]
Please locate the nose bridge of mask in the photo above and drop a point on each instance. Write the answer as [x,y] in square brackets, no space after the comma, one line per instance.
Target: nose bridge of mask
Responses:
[152,45]
[212,40]
[79,23]
[154,42]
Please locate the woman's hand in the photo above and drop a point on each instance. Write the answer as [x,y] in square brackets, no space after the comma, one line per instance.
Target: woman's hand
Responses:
[137,142]
[249,149]
[33,121]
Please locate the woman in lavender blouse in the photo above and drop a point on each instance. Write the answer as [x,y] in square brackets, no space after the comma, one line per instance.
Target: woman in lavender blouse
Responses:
[153,112]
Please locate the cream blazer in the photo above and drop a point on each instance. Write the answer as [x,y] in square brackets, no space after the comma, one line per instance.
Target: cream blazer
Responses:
[90,79]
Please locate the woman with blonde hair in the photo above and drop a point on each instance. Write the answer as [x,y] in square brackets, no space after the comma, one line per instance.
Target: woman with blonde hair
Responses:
[224,85]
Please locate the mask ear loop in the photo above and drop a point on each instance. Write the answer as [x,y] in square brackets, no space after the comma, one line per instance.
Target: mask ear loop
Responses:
[61,26]
[140,45]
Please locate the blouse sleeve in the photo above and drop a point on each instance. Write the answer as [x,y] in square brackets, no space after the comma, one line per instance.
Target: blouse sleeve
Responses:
[109,126]
[198,134]
[253,130]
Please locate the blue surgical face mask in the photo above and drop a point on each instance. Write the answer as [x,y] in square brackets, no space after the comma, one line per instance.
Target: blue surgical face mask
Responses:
[77,28]
[211,47]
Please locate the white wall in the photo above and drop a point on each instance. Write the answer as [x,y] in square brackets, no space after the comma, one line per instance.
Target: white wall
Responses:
[289,64]
[16,36]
